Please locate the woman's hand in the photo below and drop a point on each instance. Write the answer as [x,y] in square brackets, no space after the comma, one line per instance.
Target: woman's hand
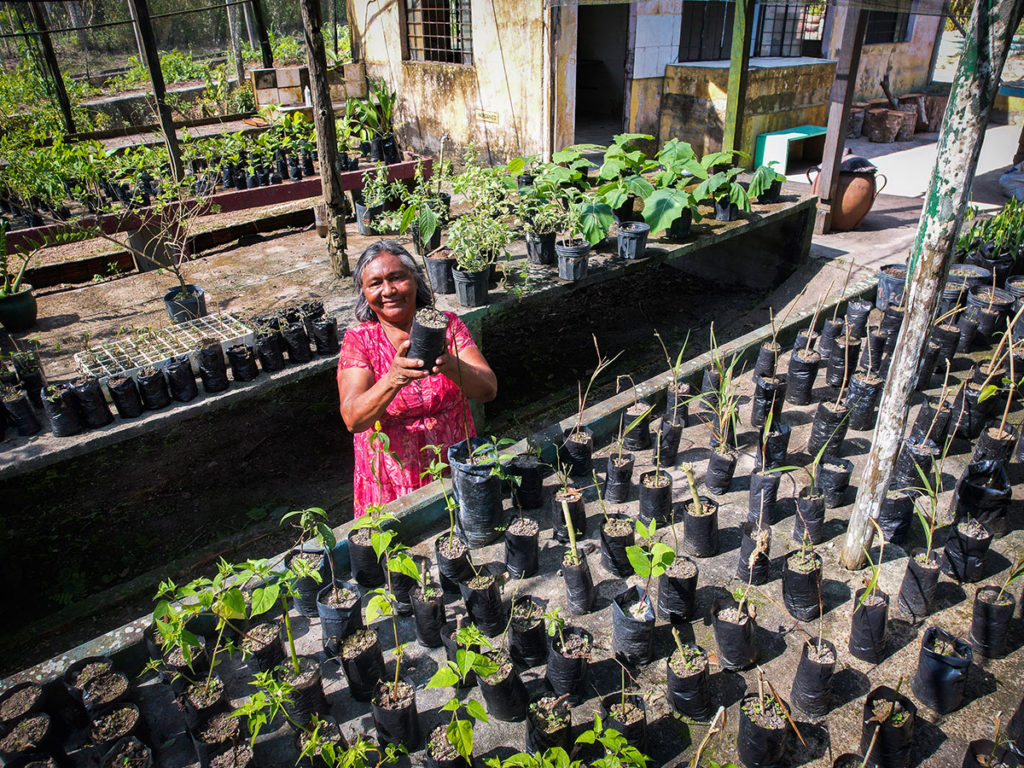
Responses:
[405,369]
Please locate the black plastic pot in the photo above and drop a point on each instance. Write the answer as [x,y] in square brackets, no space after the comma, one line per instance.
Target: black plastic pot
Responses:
[242,360]
[668,440]
[800,376]
[452,570]
[773,448]
[91,404]
[125,394]
[843,362]
[181,381]
[364,670]
[572,259]
[895,516]
[324,333]
[540,248]
[632,240]
[505,695]
[688,691]
[679,229]
[868,627]
[613,547]
[478,490]
[59,407]
[567,675]
[572,498]
[873,349]
[618,478]
[965,552]
[576,451]
[700,532]
[968,332]
[990,621]
[800,342]
[484,605]
[932,422]
[984,753]
[940,679]
[655,502]
[633,638]
[857,312]
[579,587]
[367,568]
[737,643]
[677,397]
[759,746]
[540,737]
[428,336]
[861,399]
[830,331]
[198,712]
[762,499]
[968,415]
[757,572]
[983,494]
[635,732]
[947,336]
[296,343]
[213,369]
[914,460]
[677,595]
[396,725]
[718,476]
[428,617]
[993,445]
[471,287]
[528,492]
[307,587]
[270,349]
[521,553]
[767,360]
[338,621]
[812,685]
[528,640]
[801,590]
[918,586]
[769,397]
[929,359]
[828,430]
[810,516]
[832,480]
[638,438]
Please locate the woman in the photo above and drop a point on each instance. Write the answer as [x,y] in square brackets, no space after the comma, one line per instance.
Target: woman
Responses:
[416,405]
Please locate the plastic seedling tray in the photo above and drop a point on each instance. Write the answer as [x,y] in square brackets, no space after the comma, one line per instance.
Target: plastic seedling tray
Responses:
[155,347]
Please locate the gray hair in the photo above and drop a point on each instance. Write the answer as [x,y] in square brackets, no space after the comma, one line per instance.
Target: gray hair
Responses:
[363,311]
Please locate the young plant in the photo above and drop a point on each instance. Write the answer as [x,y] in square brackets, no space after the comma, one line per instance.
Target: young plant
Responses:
[1016,571]
[762,179]
[618,753]
[622,170]
[586,219]
[436,470]
[675,368]
[556,626]
[650,559]
[582,394]
[871,584]
[312,524]
[723,402]
[459,731]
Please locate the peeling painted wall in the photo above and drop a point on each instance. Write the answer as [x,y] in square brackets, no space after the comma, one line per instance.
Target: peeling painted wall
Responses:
[497,103]
[781,93]
[909,63]
[656,46]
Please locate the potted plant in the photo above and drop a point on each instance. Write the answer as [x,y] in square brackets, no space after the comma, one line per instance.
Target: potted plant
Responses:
[425,208]
[476,240]
[622,173]
[375,193]
[765,184]
[17,304]
[377,113]
[586,222]
[671,207]
[542,217]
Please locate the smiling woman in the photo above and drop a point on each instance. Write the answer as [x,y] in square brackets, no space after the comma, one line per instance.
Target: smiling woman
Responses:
[416,404]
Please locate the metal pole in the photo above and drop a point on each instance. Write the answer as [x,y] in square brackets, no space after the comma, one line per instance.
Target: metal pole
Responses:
[151,57]
[326,137]
[39,18]
[839,113]
[970,102]
[739,60]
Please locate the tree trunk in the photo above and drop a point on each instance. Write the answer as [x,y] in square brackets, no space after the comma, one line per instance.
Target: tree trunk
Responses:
[974,88]
[235,34]
[326,137]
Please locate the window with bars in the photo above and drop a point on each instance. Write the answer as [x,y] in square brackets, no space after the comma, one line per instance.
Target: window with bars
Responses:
[706,29]
[887,27]
[779,30]
[439,30]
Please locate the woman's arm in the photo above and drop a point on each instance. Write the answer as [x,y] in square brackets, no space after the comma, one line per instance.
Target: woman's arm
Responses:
[363,401]
[476,378]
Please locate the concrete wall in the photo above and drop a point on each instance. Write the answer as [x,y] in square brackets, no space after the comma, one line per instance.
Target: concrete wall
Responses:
[781,93]
[496,103]
[908,63]
[656,46]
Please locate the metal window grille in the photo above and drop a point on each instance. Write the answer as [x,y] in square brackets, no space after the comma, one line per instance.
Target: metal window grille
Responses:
[779,30]
[886,27]
[439,30]
[706,30]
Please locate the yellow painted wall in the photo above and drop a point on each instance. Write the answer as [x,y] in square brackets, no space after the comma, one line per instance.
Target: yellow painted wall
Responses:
[694,101]
[497,103]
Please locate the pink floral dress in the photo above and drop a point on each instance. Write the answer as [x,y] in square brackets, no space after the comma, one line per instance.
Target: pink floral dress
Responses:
[425,412]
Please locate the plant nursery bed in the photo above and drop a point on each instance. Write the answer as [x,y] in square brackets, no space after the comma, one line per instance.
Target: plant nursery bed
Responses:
[943,717]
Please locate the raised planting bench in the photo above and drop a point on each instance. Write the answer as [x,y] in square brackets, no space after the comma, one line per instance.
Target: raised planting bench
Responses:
[938,741]
[759,253]
[778,146]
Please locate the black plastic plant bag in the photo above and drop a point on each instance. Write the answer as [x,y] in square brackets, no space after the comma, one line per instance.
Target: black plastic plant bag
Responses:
[929,359]
[718,476]
[338,621]
[965,554]
[655,502]
[576,451]
[181,381]
[242,362]
[832,480]
[940,680]
[810,517]
[700,532]
[968,333]
[632,638]
[773,448]
[212,369]
[618,478]
[677,403]
[577,514]
[991,446]
[990,621]
[367,568]
[763,498]
[506,699]
[895,516]
[842,362]
[947,336]
[800,342]
[759,747]
[538,740]
[125,394]
[918,586]
[828,430]
[528,492]
[307,587]
[397,726]
[984,753]
[613,549]
[801,591]
[634,733]
[568,675]
[485,607]
[270,351]
[91,404]
[932,422]
[983,494]
[872,350]
[689,695]
[767,359]
[709,382]
[812,685]
[428,617]
[480,514]
[857,312]
[868,627]
[830,331]
[59,407]
[755,573]
[800,376]
[528,641]
[324,334]
[769,397]
[639,437]
[296,343]
[737,643]
[916,454]
[677,595]
[364,672]
[451,571]
[861,398]
[521,555]
[579,587]
[668,442]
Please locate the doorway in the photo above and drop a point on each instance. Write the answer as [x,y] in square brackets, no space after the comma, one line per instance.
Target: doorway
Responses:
[602,36]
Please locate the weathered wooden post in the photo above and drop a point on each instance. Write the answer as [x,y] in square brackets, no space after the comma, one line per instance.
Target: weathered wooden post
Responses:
[970,102]
[326,137]
[742,30]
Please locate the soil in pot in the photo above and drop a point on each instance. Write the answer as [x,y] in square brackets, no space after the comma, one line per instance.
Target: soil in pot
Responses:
[813,681]
[521,548]
[569,663]
[21,700]
[30,734]
[308,697]
[617,533]
[453,561]
[700,527]
[579,584]
[528,643]
[735,635]
[128,753]
[363,663]
[429,614]
[801,585]
[122,720]
[441,753]
[655,497]
[688,691]
[761,739]
[573,498]
[428,337]
[394,714]
[262,646]
[549,725]
[677,591]
[367,568]
[504,692]
[104,690]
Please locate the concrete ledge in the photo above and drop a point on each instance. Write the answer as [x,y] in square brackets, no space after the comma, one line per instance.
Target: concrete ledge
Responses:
[422,512]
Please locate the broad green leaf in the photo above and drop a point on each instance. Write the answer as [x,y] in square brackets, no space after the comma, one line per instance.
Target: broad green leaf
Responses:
[484,665]
[516,165]
[326,536]
[639,186]
[638,559]
[377,606]
[428,221]
[402,563]
[989,391]
[445,677]
[476,710]
[595,221]
[663,207]
[738,197]
[460,734]
[662,556]
[380,541]
[264,598]
[451,705]
[231,605]
[615,197]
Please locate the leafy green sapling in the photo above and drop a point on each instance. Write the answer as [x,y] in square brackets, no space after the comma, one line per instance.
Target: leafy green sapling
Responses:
[459,731]
[650,559]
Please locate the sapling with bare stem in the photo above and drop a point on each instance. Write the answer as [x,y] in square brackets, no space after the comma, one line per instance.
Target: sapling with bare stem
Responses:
[880,716]
[675,369]
[814,318]
[762,540]
[762,683]
[691,480]
[941,402]
[572,555]
[846,282]
[582,395]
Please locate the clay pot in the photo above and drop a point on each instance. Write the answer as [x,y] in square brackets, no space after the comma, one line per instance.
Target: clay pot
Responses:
[855,195]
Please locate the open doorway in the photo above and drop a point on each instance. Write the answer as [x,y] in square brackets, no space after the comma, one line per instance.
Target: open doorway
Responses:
[601,44]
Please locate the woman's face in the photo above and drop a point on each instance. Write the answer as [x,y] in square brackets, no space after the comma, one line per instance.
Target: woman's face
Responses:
[390,289]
